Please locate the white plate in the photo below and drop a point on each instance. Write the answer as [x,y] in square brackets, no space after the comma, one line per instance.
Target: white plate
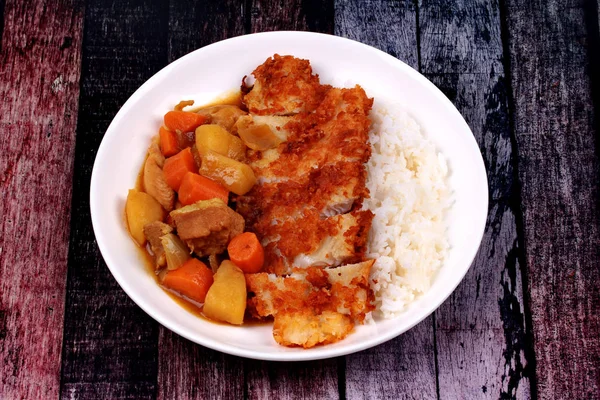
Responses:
[216,69]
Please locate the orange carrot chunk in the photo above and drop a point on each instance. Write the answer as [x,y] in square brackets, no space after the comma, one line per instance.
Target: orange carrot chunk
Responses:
[177,166]
[183,121]
[246,252]
[168,142]
[192,279]
[196,187]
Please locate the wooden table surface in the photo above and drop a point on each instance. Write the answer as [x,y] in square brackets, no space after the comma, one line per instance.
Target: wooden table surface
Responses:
[523,324]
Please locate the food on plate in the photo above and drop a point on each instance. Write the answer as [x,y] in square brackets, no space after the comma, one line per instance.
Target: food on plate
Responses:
[226,298]
[141,209]
[307,205]
[191,279]
[312,305]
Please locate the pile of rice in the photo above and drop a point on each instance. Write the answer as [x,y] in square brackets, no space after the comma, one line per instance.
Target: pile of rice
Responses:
[409,196]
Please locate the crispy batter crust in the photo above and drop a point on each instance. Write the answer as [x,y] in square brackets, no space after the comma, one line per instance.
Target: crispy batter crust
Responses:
[306,207]
[284,86]
[343,289]
[312,306]
[319,171]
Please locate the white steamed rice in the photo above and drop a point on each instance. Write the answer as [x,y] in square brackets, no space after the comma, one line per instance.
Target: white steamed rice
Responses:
[409,196]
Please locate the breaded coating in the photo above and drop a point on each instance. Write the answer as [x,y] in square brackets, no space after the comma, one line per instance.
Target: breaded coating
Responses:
[316,173]
[309,146]
[313,305]
[342,289]
[308,330]
[311,241]
[284,85]
[337,131]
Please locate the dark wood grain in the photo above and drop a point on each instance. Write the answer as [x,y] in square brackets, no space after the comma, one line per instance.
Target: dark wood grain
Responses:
[110,345]
[195,24]
[187,370]
[291,15]
[559,173]
[40,65]
[482,347]
[403,367]
[298,380]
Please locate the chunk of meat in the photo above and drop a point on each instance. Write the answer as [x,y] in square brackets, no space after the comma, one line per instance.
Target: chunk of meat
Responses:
[154,178]
[153,232]
[284,85]
[348,244]
[207,226]
[224,115]
[325,303]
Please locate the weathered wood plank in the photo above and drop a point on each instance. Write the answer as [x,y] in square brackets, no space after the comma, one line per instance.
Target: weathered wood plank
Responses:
[480,332]
[40,64]
[403,367]
[185,369]
[559,173]
[193,25]
[299,380]
[110,345]
[292,15]
[388,25]
[271,380]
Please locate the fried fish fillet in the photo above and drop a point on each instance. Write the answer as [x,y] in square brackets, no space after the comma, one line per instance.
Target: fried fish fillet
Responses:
[313,305]
[284,85]
[337,131]
[316,173]
[312,241]
[311,144]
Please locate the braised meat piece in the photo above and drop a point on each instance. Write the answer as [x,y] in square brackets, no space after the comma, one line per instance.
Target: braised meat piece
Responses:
[153,232]
[207,226]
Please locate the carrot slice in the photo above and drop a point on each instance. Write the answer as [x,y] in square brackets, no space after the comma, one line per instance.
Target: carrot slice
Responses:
[196,187]
[168,142]
[177,166]
[192,279]
[183,121]
[246,252]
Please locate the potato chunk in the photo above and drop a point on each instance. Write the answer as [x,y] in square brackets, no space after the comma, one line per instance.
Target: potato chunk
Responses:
[226,298]
[141,209]
[217,139]
[237,177]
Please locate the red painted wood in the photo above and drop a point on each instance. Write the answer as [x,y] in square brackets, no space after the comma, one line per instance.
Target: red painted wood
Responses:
[40,61]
